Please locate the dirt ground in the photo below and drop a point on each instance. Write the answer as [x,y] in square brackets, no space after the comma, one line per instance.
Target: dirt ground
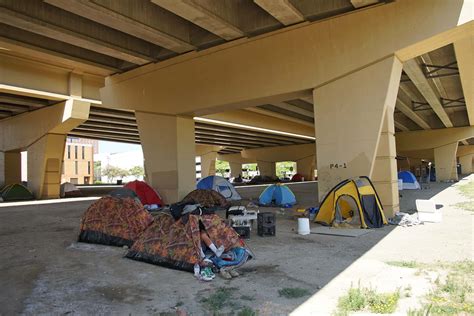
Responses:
[44,271]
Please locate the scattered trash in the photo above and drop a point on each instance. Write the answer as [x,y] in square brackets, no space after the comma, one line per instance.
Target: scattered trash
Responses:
[405,219]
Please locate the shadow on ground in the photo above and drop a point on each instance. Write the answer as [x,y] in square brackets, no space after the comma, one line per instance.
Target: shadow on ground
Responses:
[43,269]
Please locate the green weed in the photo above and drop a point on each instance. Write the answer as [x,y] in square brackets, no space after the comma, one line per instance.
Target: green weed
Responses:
[247,311]
[466,206]
[220,298]
[405,264]
[366,299]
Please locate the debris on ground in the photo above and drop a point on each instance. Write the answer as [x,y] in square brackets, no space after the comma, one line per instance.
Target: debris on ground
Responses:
[405,219]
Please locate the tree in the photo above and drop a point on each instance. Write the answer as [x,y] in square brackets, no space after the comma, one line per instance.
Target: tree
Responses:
[112,172]
[284,168]
[97,170]
[137,171]
[222,167]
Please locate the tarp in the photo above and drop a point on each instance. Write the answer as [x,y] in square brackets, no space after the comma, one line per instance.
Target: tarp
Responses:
[114,221]
[277,194]
[68,189]
[16,192]
[207,198]
[409,180]
[352,203]
[221,185]
[146,194]
[177,244]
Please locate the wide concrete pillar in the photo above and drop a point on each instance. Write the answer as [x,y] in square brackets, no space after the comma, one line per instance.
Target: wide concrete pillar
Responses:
[45,158]
[10,168]
[305,167]
[466,163]
[266,168]
[235,169]
[349,119]
[208,164]
[169,152]
[445,162]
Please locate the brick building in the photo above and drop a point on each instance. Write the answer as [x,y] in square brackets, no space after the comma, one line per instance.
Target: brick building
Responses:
[78,163]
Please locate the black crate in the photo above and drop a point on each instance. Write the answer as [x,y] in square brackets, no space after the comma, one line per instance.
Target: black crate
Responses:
[243,231]
[266,230]
[266,219]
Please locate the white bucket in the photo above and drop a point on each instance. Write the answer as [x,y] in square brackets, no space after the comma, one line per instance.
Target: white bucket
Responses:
[303,226]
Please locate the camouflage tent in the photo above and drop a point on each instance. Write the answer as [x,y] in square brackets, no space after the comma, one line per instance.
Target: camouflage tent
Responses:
[177,244]
[114,221]
[207,198]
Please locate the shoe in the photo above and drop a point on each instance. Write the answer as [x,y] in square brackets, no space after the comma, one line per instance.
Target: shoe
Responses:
[208,274]
[220,251]
[225,275]
[234,273]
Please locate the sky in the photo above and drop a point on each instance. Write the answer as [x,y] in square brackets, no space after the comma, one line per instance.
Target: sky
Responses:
[114,147]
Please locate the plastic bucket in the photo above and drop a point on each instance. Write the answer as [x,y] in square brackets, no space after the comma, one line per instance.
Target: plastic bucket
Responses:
[303,226]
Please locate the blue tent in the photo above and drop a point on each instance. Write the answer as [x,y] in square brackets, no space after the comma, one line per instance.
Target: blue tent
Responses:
[278,195]
[409,180]
[221,185]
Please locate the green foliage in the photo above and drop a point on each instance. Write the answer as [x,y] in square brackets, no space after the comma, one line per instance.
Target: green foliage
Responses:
[452,296]
[467,189]
[366,299]
[467,206]
[246,298]
[222,167]
[220,298]
[112,172]
[296,292]
[137,171]
[283,168]
[405,264]
[97,170]
[247,311]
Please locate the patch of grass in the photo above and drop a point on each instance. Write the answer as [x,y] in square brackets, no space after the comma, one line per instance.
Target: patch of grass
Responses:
[247,298]
[467,190]
[295,292]
[247,311]
[405,264]
[366,299]
[452,296]
[220,298]
[467,206]
[178,304]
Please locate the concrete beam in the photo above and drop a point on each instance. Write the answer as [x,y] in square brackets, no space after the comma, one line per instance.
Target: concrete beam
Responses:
[240,71]
[292,108]
[412,115]
[279,116]
[43,28]
[363,3]
[156,30]
[401,127]
[417,140]
[282,10]
[280,153]
[465,150]
[464,49]
[21,131]
[195,12]
[413,69]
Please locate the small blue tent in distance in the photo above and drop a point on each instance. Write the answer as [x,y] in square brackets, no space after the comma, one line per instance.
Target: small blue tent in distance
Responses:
[277,194]
[409,180]
[221,185]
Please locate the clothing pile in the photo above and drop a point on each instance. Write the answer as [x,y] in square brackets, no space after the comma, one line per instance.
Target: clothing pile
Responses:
[405,219]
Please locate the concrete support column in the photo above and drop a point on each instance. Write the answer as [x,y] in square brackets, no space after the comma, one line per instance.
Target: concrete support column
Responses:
[384,175]
[10,168]
[45,158]
[349,116]
[305,167]
[235,169]
[169,152]
[266,168]
[208,164]
[445,162]
[466,163]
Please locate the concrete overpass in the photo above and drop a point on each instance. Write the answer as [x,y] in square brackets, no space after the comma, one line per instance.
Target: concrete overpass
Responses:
[244,75]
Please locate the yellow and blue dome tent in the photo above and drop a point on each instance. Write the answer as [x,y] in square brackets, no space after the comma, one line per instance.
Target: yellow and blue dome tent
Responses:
[354,202]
